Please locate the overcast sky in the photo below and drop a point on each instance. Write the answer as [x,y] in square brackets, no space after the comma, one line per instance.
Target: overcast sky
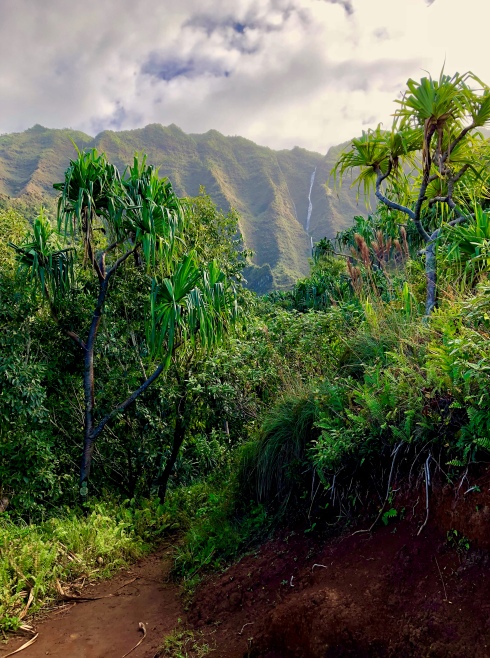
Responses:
[310,73]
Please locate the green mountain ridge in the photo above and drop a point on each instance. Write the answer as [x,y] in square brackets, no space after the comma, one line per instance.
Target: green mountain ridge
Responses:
[268,188]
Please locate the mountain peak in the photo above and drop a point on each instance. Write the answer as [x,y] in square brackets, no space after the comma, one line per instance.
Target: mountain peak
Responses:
[271,190]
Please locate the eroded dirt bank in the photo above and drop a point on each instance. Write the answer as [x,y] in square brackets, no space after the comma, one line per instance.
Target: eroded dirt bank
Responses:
[389,593]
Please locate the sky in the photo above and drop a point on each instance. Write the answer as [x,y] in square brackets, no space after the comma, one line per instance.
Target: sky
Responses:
[283,73]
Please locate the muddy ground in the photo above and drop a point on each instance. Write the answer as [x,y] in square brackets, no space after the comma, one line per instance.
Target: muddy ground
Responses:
[389,593]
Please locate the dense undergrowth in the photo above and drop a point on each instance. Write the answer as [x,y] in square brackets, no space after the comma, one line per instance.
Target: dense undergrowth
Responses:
[395,397]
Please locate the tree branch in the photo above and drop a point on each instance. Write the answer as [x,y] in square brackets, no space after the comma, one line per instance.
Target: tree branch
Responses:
[124,405]
[94,262]
[76,338]
[458,139]
[438,199]
[104,253]
[430,262]
[391,204]
[426,164]
[119,262]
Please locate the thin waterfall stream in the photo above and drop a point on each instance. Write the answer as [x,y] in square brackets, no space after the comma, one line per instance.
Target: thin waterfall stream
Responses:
[310,207]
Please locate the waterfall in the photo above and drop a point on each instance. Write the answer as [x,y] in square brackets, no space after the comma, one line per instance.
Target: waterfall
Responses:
[310,205]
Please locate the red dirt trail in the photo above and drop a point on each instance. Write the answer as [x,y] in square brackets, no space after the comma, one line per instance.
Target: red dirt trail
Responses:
[389,594]
[109,627]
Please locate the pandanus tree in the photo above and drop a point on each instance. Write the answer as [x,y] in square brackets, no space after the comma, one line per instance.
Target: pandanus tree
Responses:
[104,219]
[431,162]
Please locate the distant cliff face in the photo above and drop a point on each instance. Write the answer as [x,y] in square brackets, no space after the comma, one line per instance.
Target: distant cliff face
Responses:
[271,190]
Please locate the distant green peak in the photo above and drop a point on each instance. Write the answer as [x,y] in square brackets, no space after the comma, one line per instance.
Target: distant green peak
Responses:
[37,128]
[173,127]
[213,132]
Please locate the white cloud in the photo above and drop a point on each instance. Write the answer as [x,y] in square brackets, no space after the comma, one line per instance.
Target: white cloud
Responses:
[280,72]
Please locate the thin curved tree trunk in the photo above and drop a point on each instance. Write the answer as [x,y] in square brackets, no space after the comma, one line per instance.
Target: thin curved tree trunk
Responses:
[431,276]
[178,439]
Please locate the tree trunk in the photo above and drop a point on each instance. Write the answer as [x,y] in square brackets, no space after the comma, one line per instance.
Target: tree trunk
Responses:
[431,276]
[88,449]
[178,440]
[88,393]
[88,441]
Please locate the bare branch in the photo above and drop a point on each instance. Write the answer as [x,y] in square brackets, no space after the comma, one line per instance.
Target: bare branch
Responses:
[120,261]
[94,262]
[438,199]
[388,202]
[103,254]
[458,139]
[75,337]
[460,174]
[124,405]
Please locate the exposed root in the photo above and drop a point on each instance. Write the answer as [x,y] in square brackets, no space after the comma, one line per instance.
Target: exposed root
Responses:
[427,484]
[395,452]
[442,580]
[142,628]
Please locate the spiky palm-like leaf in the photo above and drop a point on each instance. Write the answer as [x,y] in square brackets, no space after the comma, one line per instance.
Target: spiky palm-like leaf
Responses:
[154,214]
[49,267]
[90,189]
[194,305]
[367,152]
[376,150]
[476,106]
[432,100]
[470,244]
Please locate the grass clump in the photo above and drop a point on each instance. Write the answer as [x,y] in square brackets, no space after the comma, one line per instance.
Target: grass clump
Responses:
[280,449]
[72,547]
[185,643]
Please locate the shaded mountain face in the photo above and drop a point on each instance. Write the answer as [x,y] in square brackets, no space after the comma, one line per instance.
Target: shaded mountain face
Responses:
[281,196]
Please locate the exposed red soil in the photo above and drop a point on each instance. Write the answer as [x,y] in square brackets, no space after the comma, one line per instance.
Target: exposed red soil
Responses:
[390,593]
[386,594]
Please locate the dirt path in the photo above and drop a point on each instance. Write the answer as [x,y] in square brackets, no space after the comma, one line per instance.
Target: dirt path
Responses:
[109,627]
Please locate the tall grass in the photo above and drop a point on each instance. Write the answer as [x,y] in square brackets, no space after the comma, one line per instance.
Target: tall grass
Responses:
[279,453]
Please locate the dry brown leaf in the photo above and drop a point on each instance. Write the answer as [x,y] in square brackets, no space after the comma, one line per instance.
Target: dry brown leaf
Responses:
[24,646]
[142,628]
[27,606]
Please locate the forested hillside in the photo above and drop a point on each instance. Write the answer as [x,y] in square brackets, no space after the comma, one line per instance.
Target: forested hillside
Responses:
[269,189]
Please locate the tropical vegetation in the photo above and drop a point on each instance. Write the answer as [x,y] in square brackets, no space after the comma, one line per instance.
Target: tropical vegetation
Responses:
[202,409]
